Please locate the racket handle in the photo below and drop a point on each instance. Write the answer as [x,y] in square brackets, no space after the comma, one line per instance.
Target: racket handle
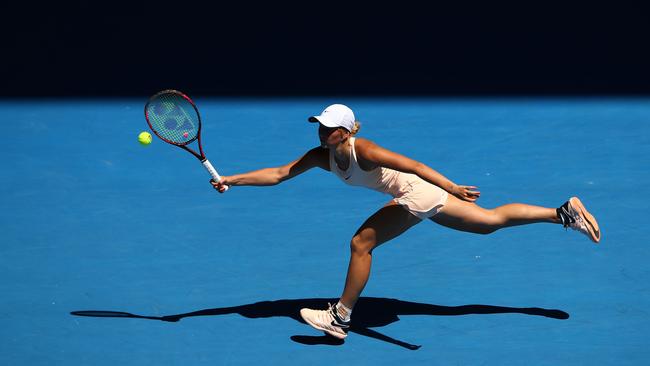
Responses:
[212,171]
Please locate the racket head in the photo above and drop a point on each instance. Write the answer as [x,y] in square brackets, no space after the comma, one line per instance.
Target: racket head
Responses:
[173,117]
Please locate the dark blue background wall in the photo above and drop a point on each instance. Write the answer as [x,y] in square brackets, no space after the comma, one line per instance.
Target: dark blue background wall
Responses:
[80,48]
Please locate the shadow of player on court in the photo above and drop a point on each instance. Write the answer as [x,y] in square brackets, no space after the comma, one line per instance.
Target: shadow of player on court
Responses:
[369,312]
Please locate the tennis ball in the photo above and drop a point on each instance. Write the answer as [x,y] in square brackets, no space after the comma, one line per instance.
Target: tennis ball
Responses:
[144,138]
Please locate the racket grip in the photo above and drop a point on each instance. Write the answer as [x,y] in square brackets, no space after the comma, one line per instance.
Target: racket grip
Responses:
[212,171]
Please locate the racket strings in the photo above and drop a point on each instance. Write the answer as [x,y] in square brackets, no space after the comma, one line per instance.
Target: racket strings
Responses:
[173,118]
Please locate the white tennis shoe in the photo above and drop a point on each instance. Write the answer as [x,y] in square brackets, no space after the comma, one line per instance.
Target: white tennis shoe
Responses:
[326,320]
[574,215]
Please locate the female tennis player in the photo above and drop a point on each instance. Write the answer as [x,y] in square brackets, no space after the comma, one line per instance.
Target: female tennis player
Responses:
[418,192]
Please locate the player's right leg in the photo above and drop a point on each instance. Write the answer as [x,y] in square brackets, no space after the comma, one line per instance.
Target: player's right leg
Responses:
[467,216]
[386,224]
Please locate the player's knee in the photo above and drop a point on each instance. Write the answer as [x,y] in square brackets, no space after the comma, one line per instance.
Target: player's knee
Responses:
[494,221]
[361,245]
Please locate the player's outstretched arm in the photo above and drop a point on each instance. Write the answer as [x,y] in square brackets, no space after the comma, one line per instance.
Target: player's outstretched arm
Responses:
[316,157]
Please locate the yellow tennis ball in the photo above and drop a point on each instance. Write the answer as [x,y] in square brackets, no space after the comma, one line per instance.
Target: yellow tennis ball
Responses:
[144,138]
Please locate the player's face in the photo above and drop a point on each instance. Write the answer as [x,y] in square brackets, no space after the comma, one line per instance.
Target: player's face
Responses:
[330,136]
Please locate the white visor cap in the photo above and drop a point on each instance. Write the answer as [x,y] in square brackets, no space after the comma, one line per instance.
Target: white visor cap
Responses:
[336,115]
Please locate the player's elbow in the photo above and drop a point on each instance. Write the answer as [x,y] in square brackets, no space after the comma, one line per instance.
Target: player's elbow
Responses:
[279,175]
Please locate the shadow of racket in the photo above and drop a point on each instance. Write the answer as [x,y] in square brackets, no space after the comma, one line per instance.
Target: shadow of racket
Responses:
[118,314]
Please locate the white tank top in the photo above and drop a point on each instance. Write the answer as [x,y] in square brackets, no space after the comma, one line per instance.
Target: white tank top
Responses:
[380,179]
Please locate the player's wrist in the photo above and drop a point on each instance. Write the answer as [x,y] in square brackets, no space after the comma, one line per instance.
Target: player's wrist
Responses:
[454,189]
[231,180]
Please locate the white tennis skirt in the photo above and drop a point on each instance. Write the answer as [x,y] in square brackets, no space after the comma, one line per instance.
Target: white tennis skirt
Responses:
[422,198]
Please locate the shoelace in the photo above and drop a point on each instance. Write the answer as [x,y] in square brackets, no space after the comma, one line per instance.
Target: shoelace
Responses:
[324,316]
[571,218]
[331,309]
[578,224]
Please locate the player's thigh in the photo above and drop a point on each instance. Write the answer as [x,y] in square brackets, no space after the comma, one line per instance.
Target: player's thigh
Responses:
[466,216]
[387,223]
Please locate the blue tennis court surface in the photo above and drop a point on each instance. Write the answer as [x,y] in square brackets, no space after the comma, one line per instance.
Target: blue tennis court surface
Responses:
[92,221]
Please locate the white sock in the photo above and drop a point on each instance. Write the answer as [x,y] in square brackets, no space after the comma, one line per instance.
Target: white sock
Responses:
[343,311]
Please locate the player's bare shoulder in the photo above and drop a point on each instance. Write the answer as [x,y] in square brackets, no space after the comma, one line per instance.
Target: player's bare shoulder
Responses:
[365,150]
[364,147]
[363,144]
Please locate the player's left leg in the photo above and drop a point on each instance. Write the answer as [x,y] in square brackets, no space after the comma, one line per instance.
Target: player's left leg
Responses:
[467,216]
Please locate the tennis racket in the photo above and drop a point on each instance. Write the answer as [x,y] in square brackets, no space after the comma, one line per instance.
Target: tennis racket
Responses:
[175,119]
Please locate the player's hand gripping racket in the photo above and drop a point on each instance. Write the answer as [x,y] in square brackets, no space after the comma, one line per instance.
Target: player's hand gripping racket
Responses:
[174,118]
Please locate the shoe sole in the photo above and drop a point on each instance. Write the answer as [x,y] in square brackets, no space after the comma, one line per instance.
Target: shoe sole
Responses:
[592,224]
[327,331]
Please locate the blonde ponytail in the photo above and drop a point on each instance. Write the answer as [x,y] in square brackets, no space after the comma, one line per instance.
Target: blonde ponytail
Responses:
[356,128]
